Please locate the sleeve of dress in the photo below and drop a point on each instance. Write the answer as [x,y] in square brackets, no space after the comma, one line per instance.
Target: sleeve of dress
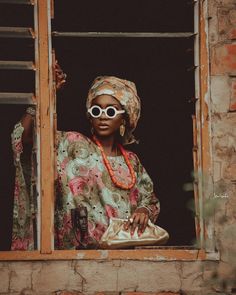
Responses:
[147,197]
[65,199]
[24,207]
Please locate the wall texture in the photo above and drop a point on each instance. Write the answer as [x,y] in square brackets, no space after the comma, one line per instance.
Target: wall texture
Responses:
[166,277]
[222,50]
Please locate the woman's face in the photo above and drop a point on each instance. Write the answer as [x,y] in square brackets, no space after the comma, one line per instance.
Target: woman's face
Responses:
[104,126]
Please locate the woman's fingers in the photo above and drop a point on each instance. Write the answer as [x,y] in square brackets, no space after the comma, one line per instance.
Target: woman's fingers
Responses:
[143,225]
[127,225]
[137,220]
[60,76]
[129,222]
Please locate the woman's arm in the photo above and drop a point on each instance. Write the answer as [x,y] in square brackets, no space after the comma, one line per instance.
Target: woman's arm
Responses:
[27,122]
[148,206]
[141,215]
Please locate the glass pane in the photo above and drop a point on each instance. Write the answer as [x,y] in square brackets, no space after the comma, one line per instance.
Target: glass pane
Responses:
[124,16]
[162,70]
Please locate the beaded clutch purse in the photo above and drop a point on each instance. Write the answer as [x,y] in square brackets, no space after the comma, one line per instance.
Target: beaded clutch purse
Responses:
[115,237]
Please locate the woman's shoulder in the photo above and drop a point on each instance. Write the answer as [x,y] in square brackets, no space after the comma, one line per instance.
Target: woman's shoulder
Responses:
[131,155]
[72,137]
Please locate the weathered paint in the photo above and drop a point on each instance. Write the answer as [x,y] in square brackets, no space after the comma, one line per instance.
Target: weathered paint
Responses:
[128,272]
[196,183]
[140,254]
[45,129]
[205,158]
[46,99]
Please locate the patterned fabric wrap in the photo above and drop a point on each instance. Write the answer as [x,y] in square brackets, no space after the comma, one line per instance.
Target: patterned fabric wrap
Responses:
[25,199]
[82,180]
[126,93]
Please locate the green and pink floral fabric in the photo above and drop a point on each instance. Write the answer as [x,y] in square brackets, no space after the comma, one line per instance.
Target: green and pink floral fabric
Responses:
[82,180]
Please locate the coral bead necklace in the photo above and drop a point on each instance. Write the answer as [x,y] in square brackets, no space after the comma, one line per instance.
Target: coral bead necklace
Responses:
[109,169]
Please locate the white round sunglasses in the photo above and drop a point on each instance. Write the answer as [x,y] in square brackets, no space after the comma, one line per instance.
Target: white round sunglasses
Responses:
[110,111]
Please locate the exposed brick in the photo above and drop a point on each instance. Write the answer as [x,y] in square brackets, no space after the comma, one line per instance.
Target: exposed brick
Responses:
[209,268]
[232,106]
[230,206]
[191,276]
[20,276]
[230,171]
[220,93]
[56,275]
[149,293]
[224,134]
[223,21]
[232,16]
[224,3]
[4,275]
[28,292]
[148,276]
[223,59]
[65,292]
[97,277]
[232,34]
[226,22]
[217,167]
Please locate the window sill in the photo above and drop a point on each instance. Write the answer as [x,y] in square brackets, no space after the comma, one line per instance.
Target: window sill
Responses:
[160,254]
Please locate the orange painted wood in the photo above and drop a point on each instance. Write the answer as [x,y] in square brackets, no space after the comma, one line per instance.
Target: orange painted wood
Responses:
[45,130]
[204,91]
[45,103]
[140,254]
[195,183]
[147,293]
[204,74]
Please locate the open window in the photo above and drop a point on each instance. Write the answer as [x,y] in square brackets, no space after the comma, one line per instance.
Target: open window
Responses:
[18,48]
[153,46]
[94,41]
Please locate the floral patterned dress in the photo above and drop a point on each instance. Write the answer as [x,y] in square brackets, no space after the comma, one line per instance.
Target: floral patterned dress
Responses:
[83,180]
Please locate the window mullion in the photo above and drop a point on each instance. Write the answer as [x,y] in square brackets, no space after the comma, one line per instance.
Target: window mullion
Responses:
[45,124]
[123,34]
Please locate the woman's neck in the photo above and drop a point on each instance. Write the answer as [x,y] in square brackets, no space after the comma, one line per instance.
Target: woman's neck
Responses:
[109,145]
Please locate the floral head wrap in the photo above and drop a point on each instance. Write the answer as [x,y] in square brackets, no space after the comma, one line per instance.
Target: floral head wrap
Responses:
[126,93]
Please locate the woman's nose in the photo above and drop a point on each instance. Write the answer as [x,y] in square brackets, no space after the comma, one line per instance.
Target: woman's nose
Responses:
[103,116]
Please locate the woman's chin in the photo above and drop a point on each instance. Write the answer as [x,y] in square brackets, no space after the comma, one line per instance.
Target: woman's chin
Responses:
[103,133]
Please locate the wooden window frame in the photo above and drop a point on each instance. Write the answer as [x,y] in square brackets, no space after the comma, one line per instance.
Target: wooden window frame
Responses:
[45,96]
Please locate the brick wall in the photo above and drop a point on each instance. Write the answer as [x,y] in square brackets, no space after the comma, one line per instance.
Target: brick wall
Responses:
[90,277]
[222,51]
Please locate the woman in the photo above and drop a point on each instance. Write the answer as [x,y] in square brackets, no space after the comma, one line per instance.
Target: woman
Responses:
[97,178]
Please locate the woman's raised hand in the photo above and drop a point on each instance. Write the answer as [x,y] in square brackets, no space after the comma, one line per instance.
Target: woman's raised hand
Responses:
[138,219]
[60,76]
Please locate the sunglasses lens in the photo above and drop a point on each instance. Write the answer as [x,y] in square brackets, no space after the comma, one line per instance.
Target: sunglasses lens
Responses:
[96,112]
[111,112]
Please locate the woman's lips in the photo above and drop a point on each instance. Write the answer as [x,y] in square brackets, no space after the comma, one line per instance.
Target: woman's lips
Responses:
[103,126]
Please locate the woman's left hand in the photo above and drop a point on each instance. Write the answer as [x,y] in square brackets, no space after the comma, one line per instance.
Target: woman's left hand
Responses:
[59,75]
[138,219]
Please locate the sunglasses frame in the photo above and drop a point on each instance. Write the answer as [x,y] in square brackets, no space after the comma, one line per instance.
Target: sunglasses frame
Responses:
[117,112]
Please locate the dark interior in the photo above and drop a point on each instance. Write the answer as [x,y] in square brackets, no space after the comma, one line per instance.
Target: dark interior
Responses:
[162,71]
[12,81]
[165,128]
[123,16]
